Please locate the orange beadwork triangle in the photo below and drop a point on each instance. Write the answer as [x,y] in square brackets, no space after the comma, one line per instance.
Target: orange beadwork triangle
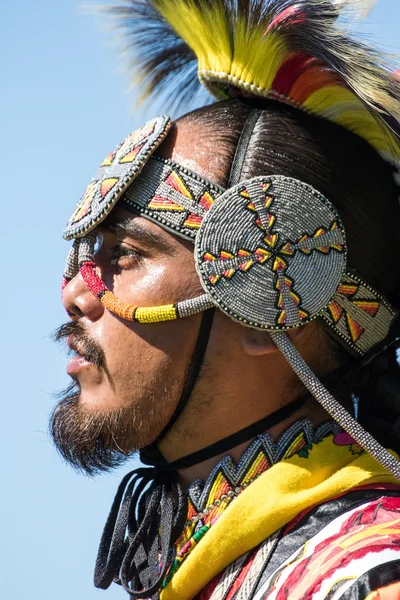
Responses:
[229,273]
[279,264]
[368,306]
[282,318]
[266,185]
[268,201]
[246,265]
[85,202]
[176,183]
[336,310]
[206,201]
[225,255]
[107,185]
[214,279]
[262,255]
[287,249]
[130,156]
[295,298]
[161,203]
[107,162]
[347,289]
[355,329]
[193,221]
[271,239]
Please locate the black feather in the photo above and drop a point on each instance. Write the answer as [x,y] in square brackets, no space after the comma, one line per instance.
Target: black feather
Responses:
[167,66]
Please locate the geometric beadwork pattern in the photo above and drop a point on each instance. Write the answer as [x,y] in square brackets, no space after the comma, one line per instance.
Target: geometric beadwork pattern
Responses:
[172,195]
[208,500]
[358,314]
[271,252]
[115,174]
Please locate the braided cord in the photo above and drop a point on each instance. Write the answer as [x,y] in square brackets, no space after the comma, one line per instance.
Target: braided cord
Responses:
[143,524]
[333,407]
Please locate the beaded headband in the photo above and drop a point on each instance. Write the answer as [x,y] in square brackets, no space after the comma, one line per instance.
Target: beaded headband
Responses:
[270,252]
[264,270]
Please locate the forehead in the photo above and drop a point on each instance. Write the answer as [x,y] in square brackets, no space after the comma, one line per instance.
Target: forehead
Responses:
[189,144]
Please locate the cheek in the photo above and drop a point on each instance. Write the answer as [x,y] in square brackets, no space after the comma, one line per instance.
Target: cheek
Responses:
[152,287]
[137,354]
[150,359]
[154,283]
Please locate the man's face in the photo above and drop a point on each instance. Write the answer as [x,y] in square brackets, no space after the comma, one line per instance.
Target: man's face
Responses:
[127,377]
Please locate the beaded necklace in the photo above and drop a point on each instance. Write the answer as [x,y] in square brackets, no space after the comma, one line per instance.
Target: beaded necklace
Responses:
[207,501]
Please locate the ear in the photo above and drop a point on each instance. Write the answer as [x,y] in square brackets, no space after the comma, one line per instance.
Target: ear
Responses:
[258,343]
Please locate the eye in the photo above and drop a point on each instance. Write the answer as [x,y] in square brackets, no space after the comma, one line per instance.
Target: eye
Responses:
[125,257]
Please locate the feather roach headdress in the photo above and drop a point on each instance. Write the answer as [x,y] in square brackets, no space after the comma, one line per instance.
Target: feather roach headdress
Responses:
[295,51]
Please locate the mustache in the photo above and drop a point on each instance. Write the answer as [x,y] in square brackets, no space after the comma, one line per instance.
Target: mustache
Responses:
[81,342]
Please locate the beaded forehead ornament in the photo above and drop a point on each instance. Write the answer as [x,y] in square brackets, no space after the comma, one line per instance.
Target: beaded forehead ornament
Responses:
[270,253]
[115,174]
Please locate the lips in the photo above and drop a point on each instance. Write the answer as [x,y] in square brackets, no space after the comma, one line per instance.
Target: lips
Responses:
[80,360]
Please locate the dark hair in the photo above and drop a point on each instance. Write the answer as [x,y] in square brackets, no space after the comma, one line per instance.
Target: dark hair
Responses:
[360,184]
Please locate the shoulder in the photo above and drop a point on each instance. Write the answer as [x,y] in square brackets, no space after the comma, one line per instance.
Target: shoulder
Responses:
[346,548]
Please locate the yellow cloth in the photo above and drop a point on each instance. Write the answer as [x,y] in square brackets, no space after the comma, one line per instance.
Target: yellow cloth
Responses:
[271,502]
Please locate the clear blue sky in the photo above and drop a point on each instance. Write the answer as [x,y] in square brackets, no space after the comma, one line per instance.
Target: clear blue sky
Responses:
[64,106]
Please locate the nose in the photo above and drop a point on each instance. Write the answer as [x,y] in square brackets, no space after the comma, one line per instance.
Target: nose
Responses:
[79,300]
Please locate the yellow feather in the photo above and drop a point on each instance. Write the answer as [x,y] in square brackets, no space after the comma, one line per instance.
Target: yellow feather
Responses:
[240,49]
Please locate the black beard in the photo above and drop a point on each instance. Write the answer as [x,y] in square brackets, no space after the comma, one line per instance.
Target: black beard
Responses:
[87,440]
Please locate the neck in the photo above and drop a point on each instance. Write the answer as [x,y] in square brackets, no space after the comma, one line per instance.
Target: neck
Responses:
[295,411]
[235,390]
[202,470]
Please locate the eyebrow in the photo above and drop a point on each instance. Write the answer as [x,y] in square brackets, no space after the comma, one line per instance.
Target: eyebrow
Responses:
[130,227]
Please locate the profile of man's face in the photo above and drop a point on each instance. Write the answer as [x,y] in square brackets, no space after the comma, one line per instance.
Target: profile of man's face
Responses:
[126,377]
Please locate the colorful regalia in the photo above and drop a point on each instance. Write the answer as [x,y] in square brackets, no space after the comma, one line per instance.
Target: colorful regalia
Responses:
[315,515]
